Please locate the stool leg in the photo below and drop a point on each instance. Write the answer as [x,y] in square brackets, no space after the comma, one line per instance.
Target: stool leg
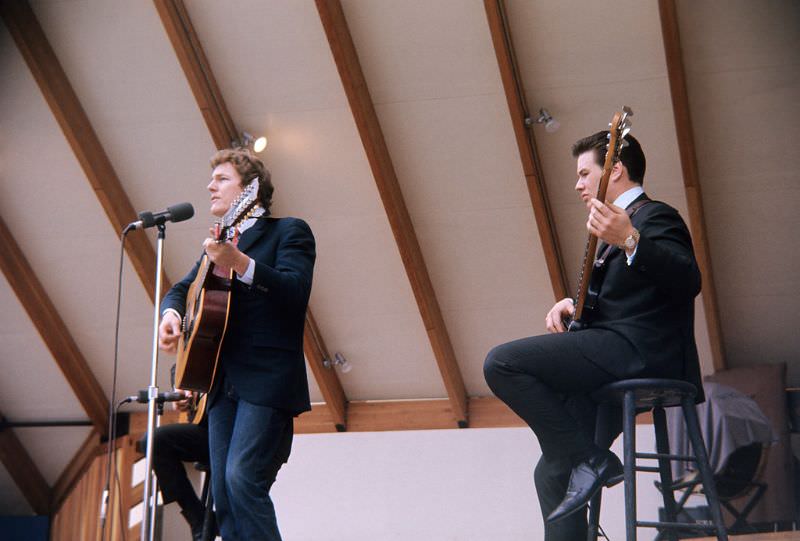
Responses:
[662,448]
[594,516]
[629,444]
[709,487]
[601,428]
[208,516]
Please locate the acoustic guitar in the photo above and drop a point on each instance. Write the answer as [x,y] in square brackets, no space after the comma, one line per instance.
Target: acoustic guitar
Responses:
[207,304]
[618,129]
[196,411]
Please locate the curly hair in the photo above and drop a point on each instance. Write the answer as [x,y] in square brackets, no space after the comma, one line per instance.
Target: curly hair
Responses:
[249,166]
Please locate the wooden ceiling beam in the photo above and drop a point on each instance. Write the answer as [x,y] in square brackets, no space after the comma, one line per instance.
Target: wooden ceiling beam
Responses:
[51,327]
[71,117]
[23,470]
[355,87]
[197,71]
[320,361]
[389,415]
[202,82]
[523,131]
[691,178]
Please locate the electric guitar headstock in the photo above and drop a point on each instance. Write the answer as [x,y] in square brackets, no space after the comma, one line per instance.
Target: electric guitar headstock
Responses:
[241,209]
[619,127]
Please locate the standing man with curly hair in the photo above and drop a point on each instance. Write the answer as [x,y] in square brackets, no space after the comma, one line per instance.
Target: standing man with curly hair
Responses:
[261,381]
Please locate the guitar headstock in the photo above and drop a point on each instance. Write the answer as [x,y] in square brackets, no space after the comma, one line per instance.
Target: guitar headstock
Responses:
[620,127]
[241,209]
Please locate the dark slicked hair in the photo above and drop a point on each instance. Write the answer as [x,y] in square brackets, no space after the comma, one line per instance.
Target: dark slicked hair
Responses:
[631,156]
[249,166]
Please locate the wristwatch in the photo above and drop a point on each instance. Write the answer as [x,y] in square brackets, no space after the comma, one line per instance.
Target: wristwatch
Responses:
[631,241]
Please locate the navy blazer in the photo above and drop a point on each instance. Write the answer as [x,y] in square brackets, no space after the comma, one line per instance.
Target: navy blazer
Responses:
[650,303]
[262,350]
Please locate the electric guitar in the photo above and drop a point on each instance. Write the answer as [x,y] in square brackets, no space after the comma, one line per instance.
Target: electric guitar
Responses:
[207,304]
[619,128]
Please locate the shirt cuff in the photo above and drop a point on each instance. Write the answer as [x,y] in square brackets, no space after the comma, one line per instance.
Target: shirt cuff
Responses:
[630,257]
[173,311]
[247,277]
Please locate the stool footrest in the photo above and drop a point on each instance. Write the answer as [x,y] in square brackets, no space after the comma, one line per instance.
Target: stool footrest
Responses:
[656,456]
[675,525]
[648,469]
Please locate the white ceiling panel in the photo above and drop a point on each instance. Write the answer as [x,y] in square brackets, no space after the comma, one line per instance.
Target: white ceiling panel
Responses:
[51,459]
[12,502]
[744,81]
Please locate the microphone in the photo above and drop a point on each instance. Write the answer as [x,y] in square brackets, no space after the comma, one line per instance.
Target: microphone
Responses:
[175,213]
[171,396]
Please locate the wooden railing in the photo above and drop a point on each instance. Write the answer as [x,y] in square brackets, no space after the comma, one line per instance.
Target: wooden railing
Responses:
[78,517]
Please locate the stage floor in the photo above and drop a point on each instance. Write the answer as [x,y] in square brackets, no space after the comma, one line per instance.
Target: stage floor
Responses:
[773,536]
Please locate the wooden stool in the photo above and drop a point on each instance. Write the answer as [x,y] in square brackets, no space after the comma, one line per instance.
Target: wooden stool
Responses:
[655,395]
[209,528]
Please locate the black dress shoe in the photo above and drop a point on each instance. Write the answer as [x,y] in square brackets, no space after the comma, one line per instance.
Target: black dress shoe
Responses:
[601,469]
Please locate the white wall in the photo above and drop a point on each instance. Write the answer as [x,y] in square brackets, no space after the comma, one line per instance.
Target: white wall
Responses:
[433,485]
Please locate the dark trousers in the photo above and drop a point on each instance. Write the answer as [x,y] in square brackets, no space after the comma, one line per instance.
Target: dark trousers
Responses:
[546,380]
[248,444]
[172,446]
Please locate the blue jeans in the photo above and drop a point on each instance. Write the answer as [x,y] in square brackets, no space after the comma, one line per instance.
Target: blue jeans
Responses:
[248,444]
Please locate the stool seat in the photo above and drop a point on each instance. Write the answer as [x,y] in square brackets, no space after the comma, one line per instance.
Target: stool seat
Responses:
[647,392]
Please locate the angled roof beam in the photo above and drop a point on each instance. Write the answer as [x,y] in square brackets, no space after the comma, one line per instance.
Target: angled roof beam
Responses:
[319,360]
[52,329]
[531,166]
[220,124]
[691,179]
[60,96]
[362,107]
[23,470]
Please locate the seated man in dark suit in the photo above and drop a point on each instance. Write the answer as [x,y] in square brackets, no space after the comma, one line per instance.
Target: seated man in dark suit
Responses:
[641,326]
[174,444]
[261,379]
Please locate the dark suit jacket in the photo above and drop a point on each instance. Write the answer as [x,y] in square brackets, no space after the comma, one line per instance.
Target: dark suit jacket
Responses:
[649,303]
[262,351]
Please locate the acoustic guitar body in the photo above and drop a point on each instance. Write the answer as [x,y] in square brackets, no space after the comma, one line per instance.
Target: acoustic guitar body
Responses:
[203,330]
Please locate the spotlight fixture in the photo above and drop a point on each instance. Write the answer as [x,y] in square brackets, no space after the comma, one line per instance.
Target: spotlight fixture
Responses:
[338,361]
[551,125]
[248,141]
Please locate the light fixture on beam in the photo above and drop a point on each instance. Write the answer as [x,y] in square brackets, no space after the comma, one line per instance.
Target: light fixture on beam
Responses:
[551,125]
[339,361]
[257,145]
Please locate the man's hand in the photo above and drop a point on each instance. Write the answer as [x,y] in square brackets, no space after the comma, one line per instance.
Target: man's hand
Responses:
[560,310]
[168,332]
[225,254]
[609,222]
[186,403]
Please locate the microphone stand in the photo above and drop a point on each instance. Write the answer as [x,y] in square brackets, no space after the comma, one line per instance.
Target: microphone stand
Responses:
[152,396]
[154,480]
